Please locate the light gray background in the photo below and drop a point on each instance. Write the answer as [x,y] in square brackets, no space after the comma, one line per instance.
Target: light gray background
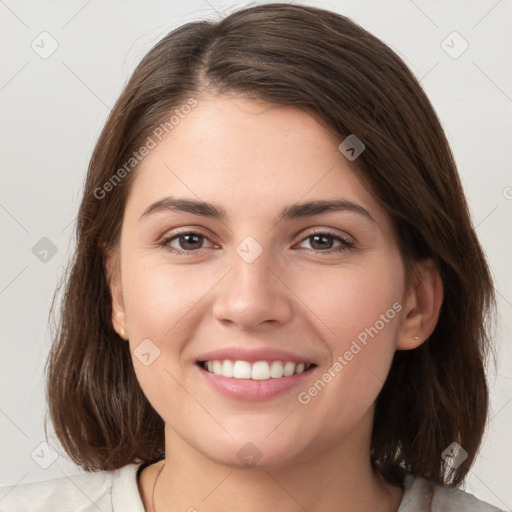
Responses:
[52,110]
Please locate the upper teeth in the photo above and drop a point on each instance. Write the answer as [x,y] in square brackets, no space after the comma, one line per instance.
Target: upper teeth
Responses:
[260,370]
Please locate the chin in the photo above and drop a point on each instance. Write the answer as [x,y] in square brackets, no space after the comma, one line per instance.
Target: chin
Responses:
[259,454]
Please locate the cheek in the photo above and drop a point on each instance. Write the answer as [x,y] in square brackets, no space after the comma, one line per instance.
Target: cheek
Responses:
[347,303]
[159,296]
[164,304]
[357,315]
[161,303]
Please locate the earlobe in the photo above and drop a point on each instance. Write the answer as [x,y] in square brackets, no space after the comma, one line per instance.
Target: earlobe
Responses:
[113,275]
[422,307]
[122,332]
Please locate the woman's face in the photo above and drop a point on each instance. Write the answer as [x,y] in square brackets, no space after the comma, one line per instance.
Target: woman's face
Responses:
[256,284]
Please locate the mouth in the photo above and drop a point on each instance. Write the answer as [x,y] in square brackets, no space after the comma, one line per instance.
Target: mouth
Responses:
[258,370]
[256,380]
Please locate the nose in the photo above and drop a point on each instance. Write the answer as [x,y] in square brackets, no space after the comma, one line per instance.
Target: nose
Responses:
[253,293]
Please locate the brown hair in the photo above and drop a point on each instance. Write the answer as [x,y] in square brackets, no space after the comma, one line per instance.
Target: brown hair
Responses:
[326,64]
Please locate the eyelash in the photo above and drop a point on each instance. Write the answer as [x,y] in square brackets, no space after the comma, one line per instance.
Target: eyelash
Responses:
[345,244]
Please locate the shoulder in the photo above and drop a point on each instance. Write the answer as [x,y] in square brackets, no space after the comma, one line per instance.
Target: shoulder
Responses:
[420,495]
[108,491]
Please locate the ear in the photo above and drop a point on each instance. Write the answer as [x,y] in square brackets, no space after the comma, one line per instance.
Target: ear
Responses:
[422,307]
[113,274]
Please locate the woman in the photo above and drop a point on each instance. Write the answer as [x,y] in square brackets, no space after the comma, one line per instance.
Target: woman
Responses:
[277,299]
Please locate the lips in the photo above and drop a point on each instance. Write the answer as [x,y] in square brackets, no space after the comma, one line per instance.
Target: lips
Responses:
[256,374]
[255,364]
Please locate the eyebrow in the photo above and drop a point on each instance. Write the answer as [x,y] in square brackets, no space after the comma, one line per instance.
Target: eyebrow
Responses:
[293,211]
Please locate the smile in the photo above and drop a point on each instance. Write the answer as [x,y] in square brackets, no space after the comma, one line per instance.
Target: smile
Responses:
[258,370]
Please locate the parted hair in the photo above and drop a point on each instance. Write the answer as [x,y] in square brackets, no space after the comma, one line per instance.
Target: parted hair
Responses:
[352,82]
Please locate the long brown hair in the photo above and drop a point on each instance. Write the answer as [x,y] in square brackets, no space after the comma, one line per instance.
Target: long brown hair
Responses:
[352,82]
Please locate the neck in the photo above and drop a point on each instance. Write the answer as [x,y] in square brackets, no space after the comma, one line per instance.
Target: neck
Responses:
[334,479]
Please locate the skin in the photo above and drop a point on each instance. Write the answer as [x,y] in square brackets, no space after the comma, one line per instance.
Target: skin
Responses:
[253,158]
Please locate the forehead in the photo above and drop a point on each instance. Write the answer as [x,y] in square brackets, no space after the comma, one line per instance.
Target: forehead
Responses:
[248,154]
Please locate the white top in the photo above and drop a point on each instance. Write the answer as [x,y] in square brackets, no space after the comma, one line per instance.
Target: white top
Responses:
[117,491]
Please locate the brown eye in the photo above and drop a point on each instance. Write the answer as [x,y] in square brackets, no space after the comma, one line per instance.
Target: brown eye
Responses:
[323,242]
[190,241]
[184,243]
[319,242]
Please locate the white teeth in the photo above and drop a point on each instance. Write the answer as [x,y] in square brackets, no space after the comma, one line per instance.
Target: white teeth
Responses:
[289,369]
[217,367]
[227,368]
[276,369]
[260,370]
[299,368]
[241,370]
